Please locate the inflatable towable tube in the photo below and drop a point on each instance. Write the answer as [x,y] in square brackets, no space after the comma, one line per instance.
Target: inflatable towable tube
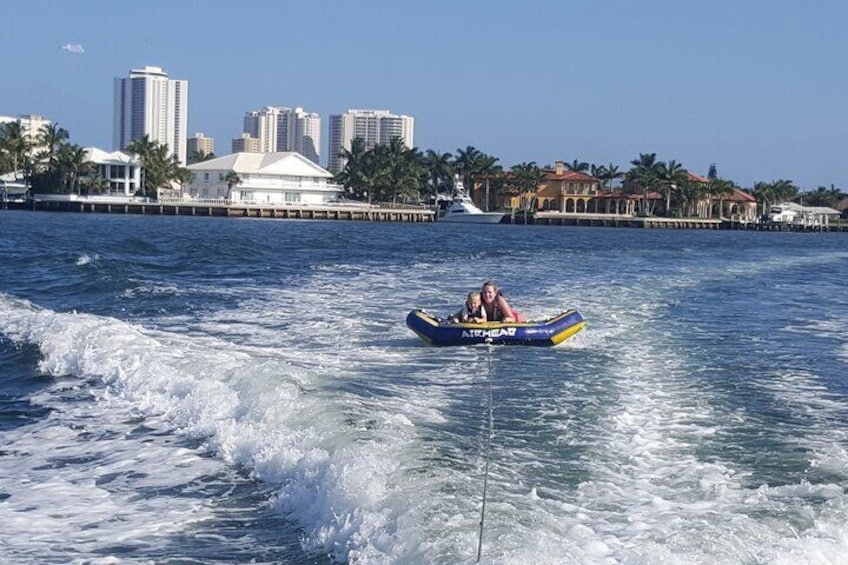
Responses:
[552,331]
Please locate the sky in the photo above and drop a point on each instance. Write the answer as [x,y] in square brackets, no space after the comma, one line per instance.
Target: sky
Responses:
[758,87]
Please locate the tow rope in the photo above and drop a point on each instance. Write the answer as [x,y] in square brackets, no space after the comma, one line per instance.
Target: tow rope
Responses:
[486,445]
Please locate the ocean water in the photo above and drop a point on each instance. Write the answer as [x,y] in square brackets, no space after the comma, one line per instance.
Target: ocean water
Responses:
[204,390]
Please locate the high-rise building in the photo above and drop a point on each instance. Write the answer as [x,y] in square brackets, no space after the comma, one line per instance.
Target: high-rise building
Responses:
[149,103]
[246,144]
[372,126]
[305,135]
[200,144]
[285,129]
[262,125]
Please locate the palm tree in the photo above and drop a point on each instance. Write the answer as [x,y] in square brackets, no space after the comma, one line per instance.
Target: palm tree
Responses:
[199,155]
[596,171]
[373,174]
[439,171]
[720,188]
[142,146]
[824,196]
[775,192]
[670,175]
[465,165]
[607,174]
[181,174]
[577,166]
[158,168]
[51,137]
[73,160]
[159,171]
[16,146]
[527,179]
[145,149]
[401,169]
[232,179]
[644,174]
[351,175]
[94,184]
[689,192]
[762,191]
[487,166]
[784,190]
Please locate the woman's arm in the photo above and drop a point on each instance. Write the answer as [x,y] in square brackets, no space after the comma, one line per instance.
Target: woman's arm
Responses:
[504,307]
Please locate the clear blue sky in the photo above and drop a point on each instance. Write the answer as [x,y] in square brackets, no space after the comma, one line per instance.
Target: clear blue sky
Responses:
[758,87]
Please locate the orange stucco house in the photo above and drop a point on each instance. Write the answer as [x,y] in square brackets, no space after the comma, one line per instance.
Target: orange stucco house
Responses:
[566,191]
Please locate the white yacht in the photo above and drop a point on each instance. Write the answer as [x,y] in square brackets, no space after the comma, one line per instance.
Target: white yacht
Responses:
[462,209]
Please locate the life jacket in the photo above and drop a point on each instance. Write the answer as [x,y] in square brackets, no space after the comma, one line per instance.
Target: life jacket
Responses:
[497,315]
[476,313]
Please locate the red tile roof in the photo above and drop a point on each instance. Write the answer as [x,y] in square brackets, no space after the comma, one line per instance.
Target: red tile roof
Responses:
[739,195]
[569,175]
[696,178]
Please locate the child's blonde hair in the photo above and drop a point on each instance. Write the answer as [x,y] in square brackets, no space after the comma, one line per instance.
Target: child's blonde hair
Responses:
[473,295]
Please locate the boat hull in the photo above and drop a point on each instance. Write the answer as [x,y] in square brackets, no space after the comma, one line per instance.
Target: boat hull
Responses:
[545,333]
[482,218]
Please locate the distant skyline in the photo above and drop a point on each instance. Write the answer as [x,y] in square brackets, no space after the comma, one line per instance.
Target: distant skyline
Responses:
[759,88]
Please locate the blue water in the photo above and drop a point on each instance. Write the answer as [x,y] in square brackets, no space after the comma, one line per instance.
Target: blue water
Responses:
[206,390]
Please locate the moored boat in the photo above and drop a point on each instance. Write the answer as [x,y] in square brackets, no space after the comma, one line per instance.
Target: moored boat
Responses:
[551,331]
[463,210]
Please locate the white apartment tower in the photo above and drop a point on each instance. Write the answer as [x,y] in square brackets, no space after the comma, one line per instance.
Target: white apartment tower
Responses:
[148,103]
[285,129]
[373,126]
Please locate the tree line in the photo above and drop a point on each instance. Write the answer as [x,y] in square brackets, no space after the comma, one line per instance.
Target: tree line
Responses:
[49,163]
[392,172]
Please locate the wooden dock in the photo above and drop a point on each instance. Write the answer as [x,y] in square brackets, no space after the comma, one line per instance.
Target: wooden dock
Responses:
[186,208]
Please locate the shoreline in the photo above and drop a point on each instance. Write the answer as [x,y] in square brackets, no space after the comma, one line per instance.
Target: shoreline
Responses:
[401,214]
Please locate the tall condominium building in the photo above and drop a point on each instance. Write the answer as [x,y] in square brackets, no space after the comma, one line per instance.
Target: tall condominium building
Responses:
[373,126]
[246,144]
[285,129]
[148,103]
[200,144]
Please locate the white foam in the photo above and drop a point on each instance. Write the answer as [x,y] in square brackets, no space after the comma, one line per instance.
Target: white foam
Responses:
[253,406]
[85,259]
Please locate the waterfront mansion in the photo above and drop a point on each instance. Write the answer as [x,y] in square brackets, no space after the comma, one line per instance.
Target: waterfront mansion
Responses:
[282,178]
